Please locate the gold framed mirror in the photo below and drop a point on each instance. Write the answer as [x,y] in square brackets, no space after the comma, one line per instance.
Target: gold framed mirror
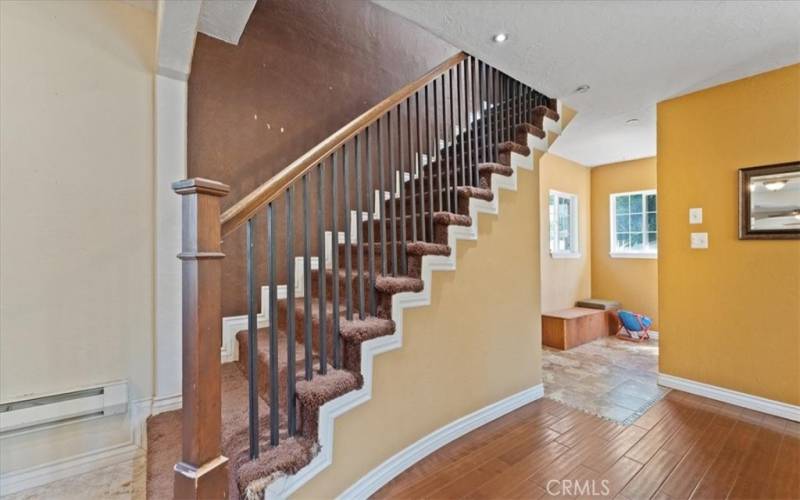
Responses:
[769,202]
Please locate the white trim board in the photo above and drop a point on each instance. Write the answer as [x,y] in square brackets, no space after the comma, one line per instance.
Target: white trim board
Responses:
[757,403]
[284,486]
[388,470]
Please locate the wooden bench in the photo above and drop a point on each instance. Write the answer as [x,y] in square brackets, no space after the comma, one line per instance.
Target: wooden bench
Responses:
[572,327]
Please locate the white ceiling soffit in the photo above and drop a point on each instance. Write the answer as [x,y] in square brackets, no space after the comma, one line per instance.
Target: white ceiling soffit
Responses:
[225,19]
[179,21]
[632,54]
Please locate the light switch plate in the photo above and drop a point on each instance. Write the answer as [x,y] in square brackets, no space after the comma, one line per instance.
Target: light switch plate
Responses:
[699,240]
[695,216]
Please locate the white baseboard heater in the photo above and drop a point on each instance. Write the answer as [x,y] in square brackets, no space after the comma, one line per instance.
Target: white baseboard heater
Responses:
[24,414]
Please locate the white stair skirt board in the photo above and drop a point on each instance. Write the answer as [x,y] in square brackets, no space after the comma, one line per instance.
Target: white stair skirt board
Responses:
[391,468]
[284,486]
[757,403]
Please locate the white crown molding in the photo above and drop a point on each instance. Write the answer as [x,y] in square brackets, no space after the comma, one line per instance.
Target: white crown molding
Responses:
[757,403]
[284,486]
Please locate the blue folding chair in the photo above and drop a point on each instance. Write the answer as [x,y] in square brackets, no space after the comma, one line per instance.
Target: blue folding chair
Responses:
[636,326]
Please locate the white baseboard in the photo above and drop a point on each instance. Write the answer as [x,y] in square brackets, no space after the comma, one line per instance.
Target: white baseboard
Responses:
[757,403]
[388,470]
[14,482]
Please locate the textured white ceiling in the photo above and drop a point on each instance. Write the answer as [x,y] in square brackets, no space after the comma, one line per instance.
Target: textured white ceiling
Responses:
[632,54]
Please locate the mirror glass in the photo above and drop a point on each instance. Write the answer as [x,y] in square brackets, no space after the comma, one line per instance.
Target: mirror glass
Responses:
[775,202]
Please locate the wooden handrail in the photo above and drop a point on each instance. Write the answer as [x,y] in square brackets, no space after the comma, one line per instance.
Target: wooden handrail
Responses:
[271,189]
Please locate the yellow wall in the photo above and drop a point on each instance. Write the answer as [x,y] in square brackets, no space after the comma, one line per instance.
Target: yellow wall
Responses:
[730,315]
[565,280]
[633,282]
[480,342]
[76,210]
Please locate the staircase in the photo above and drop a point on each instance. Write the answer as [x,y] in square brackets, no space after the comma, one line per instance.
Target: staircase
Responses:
[348,228]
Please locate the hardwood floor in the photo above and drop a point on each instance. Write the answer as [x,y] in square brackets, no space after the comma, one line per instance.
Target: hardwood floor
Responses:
[685,446]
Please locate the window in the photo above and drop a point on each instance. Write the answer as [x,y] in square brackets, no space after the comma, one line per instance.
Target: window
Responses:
[563,225]
[634,231]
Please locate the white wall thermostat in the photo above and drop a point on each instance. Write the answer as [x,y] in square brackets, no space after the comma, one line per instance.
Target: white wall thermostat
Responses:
[699,240]
[695,216]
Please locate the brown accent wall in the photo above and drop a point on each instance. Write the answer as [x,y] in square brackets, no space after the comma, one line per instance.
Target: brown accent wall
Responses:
[301,71]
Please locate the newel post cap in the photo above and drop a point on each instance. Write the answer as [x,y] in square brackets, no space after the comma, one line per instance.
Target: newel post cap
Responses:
[201,186]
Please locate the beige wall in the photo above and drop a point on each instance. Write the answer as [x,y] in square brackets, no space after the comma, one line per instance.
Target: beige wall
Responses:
[565,280]
[633,282]
[730,315]
[76,168]
[480,342]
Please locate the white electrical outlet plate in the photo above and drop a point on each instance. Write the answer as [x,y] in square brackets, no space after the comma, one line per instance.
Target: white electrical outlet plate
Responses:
[699,240]
[695,216]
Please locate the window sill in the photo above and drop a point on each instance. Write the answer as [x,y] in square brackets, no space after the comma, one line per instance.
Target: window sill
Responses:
[633,255]
[565,255]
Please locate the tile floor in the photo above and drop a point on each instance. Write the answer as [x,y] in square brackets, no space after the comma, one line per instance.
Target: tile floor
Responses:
[123,481]
[611,378]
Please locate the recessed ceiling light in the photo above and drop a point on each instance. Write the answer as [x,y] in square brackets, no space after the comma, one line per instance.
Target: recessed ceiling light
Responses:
[632,121]
[582,89]
[500,37]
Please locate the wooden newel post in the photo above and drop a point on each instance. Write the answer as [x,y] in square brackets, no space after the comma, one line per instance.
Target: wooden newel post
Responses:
[202,471]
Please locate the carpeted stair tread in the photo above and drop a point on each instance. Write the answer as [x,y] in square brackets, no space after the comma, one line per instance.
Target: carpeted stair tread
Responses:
[495,168]
[513,147]
[529,128]
[451,219]
[542,111]
[323,388]
[398,284]
[426,248]
[360,330]
[291,455]
[476,192]
[311,394]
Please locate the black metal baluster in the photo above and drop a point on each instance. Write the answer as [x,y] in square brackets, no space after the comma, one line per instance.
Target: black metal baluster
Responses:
[495,113]
[290,348]
[382,199]
[309,369]
[359,233]
[490,112]
[337,348]
[453,145]
[509,108]
[475,108]
[348,239]
[420,169]
[447,146]
[430,163]
[461,167]
[323,332]
[274,393]
[402,190]
[392,187]
[370,228]
[468,104]
[411,176]
[438,147]
[484,100]
[252,342]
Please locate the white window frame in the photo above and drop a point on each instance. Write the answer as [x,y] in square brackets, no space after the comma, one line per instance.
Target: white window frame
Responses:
[575,252]
[645,253]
